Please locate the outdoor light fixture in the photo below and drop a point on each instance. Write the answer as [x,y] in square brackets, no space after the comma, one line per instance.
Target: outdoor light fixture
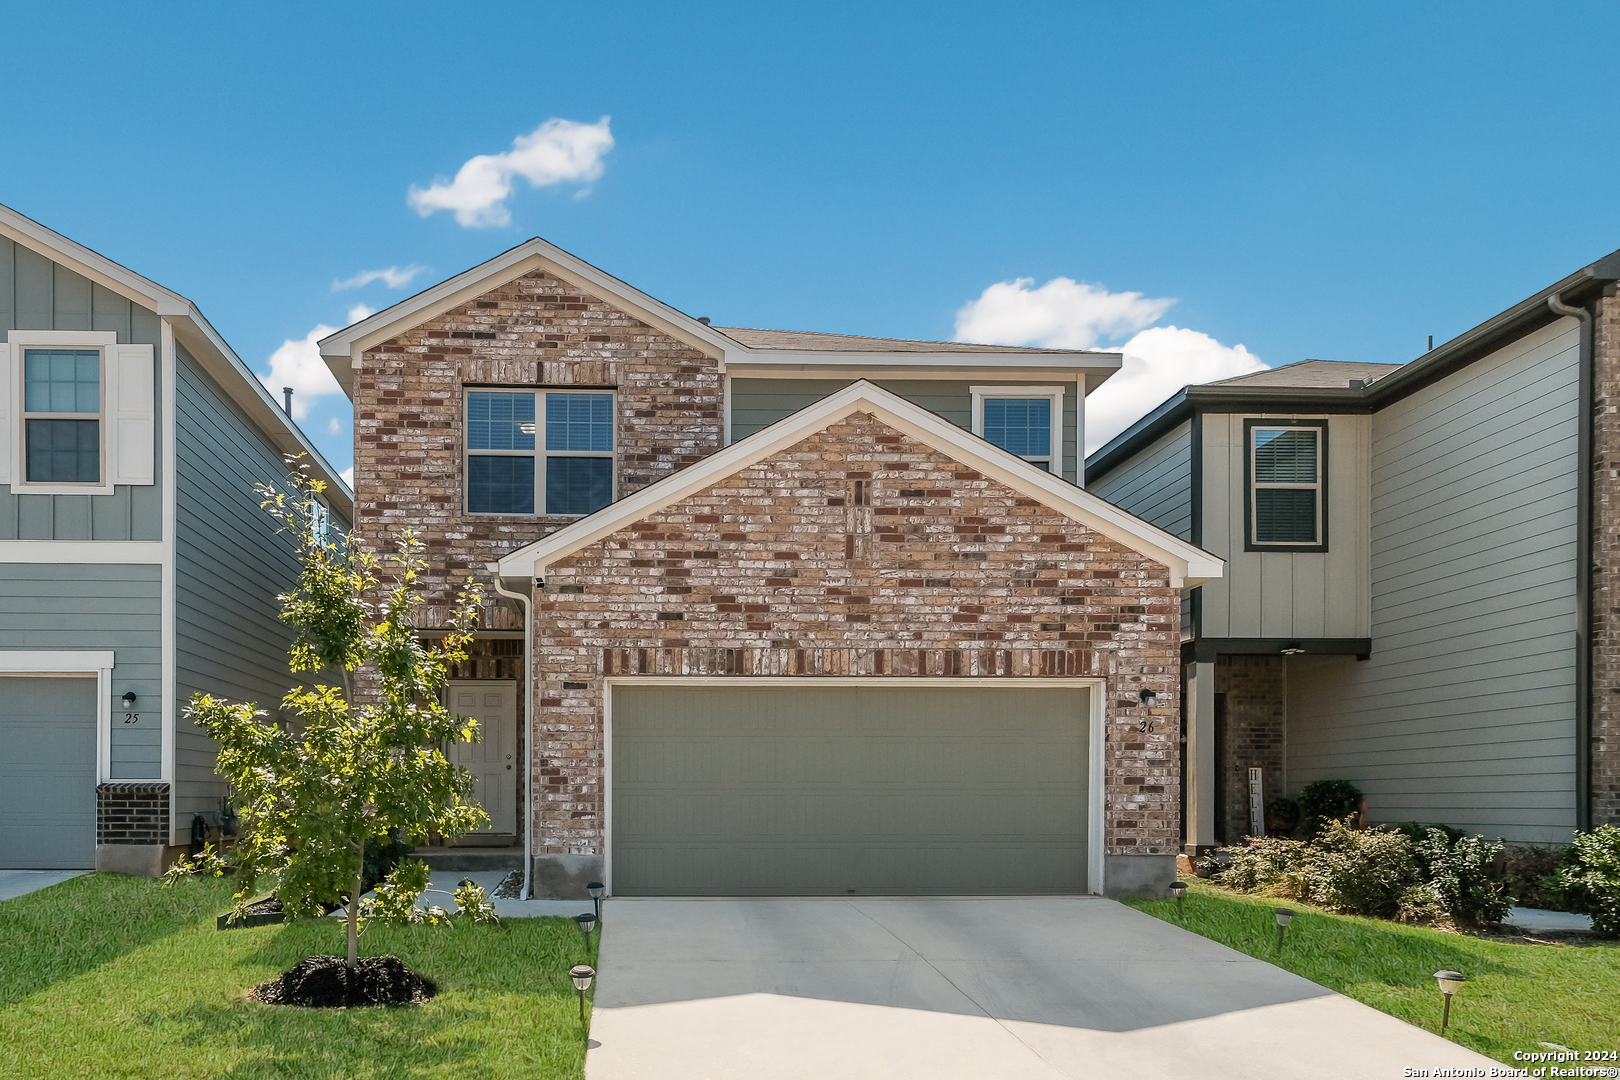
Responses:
[1148,696]
[129,699]
[1293,648]
[1178,889]
[1284,917]
[1450,982]
[587,923]
[582,974]
[595,889]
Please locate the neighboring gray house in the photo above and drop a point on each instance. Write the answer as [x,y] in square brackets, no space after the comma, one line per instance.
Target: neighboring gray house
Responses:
[1415,598]
[135,565]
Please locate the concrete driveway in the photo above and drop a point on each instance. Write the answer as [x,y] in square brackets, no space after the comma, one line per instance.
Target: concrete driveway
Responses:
[1004,988]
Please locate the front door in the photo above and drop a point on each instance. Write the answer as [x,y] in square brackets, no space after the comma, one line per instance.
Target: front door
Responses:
[493,759]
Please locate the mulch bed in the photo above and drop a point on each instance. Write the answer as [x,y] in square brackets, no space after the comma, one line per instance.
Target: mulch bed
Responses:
[322,982]
[510,888]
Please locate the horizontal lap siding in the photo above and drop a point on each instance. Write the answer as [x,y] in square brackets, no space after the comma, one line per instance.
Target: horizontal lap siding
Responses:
[1465,713]
[48,607]
[229,567]
[758,403]
[38,294]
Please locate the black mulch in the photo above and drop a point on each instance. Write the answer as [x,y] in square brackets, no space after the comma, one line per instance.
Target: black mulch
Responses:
[511,886]
[322,982]
[268,906]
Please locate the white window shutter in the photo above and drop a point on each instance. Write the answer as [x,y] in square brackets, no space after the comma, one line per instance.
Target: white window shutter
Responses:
[131,409]
[8,415]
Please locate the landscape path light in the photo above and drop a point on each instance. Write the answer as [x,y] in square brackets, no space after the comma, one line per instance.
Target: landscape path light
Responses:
[582,974]
[595,890]
[587,923]
[1284,917]
[1450,982]
[1178,889]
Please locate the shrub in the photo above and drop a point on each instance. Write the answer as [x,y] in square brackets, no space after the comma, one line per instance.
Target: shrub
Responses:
[1529,875]
[1415,832]
[1322,801]
[1262,863]
[1359,872]
[1457,871]
[1282,816]
[1591,878]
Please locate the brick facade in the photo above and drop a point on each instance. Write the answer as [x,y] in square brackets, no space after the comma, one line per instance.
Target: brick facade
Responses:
[1605,746]
[132,814]
[536,331]
[1256,695]
[858,551]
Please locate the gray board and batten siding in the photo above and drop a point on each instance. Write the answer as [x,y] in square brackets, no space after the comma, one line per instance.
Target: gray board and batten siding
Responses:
[758,403]
[1465,711]
[38,294]
[230,564]
[71,607]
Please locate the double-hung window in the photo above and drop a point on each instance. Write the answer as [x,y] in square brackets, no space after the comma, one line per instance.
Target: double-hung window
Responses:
[63,416]
[1286,503]
[1022,420]
[539,451]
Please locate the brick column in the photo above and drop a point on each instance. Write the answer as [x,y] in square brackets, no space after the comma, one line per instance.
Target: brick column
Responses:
[1256,689]
[1605,745]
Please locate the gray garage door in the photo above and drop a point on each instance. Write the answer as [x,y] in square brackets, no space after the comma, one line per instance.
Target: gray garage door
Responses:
[47,774]
[830,790]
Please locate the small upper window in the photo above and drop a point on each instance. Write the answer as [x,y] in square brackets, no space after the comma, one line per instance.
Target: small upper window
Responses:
[1022,420]
[62,416]
[1286,508]
[556,454]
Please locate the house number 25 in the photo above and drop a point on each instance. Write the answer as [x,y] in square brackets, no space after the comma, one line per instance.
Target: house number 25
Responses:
[132,718]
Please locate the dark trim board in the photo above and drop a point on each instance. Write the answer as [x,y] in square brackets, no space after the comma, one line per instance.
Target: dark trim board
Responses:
[1205,650]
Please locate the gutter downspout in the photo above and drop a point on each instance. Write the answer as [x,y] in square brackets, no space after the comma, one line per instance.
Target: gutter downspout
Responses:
[528,733]
[1583,567]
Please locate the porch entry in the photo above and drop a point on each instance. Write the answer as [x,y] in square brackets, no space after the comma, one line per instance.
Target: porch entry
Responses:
[493,759]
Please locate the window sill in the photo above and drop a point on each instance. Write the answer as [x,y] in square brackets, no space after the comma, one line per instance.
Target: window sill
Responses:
[62,489]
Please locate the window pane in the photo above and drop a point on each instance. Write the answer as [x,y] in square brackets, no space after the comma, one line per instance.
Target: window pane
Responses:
[62,380]
[579,422]
[500,485]
[500,420]
[1286,456]
[1285,516]
[64,451]
[1019,425]
[577,485]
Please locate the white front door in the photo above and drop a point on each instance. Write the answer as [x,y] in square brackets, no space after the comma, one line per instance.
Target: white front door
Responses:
[493,759]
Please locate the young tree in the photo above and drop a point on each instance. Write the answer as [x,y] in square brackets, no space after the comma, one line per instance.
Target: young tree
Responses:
[314,792]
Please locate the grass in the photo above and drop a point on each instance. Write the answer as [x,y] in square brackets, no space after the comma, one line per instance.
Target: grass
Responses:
[109,976]
[1517,995]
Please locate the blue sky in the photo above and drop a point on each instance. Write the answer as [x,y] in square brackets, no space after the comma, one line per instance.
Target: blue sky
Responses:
[1301,180]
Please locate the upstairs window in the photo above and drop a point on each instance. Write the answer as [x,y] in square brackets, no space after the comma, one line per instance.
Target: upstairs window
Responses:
[1022,420]
[539,452]
[1286,494]
[62,416]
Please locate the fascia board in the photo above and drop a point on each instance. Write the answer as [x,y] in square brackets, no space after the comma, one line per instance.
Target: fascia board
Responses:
[1189,565]
[98,268]
[782,364]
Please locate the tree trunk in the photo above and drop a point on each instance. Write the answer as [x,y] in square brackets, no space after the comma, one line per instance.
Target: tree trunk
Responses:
[354,911]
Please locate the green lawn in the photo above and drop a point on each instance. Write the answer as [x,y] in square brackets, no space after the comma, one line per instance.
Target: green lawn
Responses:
[1516,997]
[109,976]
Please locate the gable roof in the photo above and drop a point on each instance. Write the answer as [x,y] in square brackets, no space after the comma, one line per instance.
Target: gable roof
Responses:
[1311,373]
[193,331]
[742,350]
[1189,565]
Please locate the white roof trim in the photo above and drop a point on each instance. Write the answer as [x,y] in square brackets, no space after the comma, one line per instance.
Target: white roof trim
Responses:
[1189,565]
[192,330]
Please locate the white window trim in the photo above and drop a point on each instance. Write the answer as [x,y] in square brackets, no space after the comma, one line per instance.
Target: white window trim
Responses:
[1054,394]
[1256,486]
[539,453]
[104,342]
[81,664]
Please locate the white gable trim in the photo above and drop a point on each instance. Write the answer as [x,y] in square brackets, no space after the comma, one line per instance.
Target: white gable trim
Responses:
[1189,565]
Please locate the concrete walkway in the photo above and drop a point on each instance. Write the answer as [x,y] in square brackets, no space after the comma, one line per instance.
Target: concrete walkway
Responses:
[1038,988]
[14,883]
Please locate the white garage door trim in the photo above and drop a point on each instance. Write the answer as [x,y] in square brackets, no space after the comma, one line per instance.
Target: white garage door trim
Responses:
[83,663]
[1096,698]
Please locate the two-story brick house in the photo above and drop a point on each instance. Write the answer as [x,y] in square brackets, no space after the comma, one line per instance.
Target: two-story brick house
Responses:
[780,613]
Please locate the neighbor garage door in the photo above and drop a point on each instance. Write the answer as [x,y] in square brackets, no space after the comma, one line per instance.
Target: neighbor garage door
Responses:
[47,774]
[737,790]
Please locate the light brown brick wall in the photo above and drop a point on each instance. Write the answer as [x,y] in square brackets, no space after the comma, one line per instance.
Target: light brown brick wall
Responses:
[858,552]
[543,332]
[1256,689]
[1605,775]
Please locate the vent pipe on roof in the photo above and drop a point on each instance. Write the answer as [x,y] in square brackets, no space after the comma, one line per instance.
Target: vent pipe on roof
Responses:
[1431,343]
[286,401]
[704,319]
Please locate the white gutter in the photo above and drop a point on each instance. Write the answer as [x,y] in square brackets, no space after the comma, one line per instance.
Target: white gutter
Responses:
[528,734]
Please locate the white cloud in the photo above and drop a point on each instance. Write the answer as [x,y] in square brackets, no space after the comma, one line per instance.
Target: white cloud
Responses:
[360,311]
[348,476]
[556,151]
[1159,361]
[393,276]
[298,364]
[1062,314]
[333,426]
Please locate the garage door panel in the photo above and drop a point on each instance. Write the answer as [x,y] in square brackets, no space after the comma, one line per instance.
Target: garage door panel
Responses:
[48,773]
[735,790]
